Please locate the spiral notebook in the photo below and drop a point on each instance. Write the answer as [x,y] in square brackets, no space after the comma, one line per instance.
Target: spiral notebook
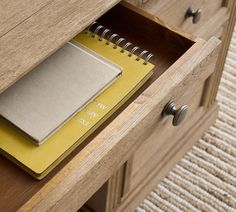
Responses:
[43,100]
[39,161]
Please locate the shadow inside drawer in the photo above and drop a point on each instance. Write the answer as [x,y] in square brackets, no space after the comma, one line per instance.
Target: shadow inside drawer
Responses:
[166,45]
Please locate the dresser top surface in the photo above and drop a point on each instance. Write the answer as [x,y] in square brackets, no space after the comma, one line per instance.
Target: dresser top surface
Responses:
[30,31]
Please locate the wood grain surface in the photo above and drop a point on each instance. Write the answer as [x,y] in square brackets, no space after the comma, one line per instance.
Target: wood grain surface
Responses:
[181,144]
[19,187]
[173,13]
[108,151]
[163,138]
[214,81]
[13,13]
[179,64]
[29,42]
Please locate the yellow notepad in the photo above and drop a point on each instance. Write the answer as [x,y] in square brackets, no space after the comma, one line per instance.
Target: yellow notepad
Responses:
[39,161]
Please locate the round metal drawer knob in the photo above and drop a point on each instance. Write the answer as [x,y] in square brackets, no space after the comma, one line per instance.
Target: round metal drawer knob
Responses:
[195,14]
[179,114]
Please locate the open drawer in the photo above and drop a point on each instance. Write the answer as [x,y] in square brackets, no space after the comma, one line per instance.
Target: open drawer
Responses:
[181,64]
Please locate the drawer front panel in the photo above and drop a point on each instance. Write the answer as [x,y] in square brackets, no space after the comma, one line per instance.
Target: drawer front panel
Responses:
[205,14]
[162,139]
[176,13]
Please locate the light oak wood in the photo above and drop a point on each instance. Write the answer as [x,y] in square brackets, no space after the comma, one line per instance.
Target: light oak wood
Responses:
[13,13]
[130,201]
[173,14]
[214,81]
[216,23]
[182,60]
[183,142]
[156,145]
[41,34]
[152,151]
[113,146]
[150,5]
[25,187]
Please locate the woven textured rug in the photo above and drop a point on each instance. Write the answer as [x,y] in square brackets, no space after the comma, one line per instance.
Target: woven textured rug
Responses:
[205,178]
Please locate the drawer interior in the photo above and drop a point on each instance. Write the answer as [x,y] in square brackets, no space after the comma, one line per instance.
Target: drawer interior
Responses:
[167,47]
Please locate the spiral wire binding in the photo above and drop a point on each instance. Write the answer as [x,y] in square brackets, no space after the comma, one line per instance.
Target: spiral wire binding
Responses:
[116,40]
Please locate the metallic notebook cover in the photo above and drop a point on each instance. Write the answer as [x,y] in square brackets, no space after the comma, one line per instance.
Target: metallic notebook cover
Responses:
[40,102]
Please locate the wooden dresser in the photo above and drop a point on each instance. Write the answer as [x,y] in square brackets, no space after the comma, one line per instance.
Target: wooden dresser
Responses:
[115,168]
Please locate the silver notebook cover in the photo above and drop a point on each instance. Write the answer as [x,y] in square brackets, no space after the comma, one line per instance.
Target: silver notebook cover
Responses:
[43,100]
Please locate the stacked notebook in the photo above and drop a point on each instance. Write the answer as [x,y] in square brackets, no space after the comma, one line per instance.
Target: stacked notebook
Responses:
[65,99]
[56,90]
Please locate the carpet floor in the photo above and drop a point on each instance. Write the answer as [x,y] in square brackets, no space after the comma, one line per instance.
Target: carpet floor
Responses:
[205,178]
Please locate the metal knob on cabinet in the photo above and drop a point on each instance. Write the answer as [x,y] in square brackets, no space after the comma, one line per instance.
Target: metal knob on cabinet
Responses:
[179,114]
[195,14]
